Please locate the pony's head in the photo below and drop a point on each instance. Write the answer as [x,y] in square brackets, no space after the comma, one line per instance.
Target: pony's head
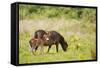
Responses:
[64,46]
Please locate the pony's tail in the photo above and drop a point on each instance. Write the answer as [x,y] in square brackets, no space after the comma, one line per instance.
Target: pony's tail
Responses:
[64,45]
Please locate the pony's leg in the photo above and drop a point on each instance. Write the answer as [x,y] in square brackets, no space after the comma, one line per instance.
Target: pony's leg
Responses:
[57,47]
[42,49]
[49,48]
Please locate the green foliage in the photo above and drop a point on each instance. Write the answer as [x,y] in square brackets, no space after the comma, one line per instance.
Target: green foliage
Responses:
[38,12]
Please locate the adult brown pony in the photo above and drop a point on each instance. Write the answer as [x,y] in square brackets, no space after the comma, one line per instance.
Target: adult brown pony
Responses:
[56,38]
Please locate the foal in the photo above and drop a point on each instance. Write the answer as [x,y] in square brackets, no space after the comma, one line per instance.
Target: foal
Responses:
[35,43]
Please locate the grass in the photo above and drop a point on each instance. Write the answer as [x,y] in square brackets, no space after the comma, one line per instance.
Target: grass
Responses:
[80,36]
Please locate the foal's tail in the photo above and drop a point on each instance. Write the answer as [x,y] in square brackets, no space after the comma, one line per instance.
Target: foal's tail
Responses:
[31,47]
[64,45]
[30,43]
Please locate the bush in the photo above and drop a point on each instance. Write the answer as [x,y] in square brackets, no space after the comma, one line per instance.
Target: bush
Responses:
[38,12]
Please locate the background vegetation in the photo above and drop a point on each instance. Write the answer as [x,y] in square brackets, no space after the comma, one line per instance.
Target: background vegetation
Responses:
[77,25]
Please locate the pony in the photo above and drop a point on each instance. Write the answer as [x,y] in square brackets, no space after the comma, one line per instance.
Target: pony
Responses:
[43,38]
[56,38]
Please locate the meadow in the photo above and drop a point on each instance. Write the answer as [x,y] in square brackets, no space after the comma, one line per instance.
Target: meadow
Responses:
[79,30]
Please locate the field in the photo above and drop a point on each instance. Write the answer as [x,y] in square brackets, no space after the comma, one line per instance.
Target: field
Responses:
[76,34]
[80,35]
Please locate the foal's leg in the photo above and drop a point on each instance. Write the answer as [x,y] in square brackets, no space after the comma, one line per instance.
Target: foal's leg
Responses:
[32,50]
[42,49]
[57,47]
[31,47]
[36,48]
[49,48]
